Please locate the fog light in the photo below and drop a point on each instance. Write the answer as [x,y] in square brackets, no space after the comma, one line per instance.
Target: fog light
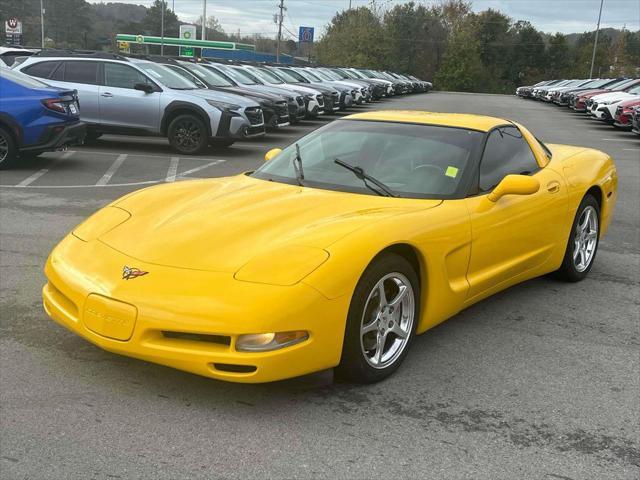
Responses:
[262,342]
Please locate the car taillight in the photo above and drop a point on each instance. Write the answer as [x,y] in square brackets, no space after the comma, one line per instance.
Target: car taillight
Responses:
[54,104]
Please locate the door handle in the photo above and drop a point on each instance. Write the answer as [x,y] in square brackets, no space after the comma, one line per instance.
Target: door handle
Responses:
[107,94]
[553,187]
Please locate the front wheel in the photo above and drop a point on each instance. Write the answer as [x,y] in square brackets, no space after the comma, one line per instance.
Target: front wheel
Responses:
[188,135]
[583,242]
[8,149]
[381,322]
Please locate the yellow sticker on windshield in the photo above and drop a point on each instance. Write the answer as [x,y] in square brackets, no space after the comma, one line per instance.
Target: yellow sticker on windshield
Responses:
[451,172]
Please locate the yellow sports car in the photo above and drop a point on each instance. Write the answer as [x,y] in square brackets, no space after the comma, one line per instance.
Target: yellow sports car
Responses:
[336,252]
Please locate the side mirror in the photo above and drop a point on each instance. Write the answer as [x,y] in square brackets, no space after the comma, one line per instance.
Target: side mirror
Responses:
[514,185]
[145,87]
[271,153]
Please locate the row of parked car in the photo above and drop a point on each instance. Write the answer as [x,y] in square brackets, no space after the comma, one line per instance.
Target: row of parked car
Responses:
[615,101]
[194,103]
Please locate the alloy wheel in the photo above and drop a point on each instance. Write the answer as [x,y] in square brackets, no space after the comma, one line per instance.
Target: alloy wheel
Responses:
[188,135]
[387,321]
[586,239]
[4,148]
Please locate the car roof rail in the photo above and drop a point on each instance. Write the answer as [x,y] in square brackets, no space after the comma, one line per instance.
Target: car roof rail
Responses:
[79,54]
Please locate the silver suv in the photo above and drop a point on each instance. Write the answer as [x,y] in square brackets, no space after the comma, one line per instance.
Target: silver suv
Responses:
[128,96]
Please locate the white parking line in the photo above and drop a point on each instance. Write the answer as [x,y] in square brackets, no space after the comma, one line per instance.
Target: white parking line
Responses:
[630,150]
[112,169]
[29,180]
[619,140]
[173,169]
[201,167]
[32,178]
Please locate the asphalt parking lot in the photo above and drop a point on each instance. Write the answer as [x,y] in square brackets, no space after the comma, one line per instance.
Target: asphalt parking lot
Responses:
[538,382]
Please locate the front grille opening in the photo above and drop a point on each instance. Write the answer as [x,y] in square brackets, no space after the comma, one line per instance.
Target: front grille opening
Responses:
[198,337]
[233,368]
[63,302]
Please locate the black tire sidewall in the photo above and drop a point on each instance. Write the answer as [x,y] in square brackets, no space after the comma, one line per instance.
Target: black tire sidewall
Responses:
[12,153]
[204,141]
[568,270]
[353,367]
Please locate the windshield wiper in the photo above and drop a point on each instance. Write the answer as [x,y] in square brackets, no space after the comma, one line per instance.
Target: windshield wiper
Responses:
[297,166]
[384,191]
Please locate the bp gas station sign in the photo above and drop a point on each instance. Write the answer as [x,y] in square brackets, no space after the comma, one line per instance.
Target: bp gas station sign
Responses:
[187,32]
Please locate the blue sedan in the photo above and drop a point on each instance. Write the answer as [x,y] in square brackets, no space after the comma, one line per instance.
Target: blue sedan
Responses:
[35,117]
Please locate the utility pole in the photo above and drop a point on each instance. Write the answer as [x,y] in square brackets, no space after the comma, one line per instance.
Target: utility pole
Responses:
[595,44]
[41,25]
[349,4]
[162,28]
[280,18]
[204,21]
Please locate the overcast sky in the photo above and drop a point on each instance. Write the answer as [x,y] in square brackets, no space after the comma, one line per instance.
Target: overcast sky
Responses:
[256,16]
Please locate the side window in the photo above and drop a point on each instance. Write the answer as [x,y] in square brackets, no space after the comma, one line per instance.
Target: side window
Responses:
[506,152]
[122,76]
[81,71]
[41,69]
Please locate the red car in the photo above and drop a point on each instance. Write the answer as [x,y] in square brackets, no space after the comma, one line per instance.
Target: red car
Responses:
[580,102]
[622,117]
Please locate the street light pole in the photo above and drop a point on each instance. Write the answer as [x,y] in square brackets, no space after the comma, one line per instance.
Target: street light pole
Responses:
[41,25]
[281,7]
[162,28]
[204,21]
[595,43]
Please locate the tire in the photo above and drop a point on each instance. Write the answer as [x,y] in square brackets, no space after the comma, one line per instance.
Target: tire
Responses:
[188,135]
[583,242]
[8,149]
[222,142]
[360,362]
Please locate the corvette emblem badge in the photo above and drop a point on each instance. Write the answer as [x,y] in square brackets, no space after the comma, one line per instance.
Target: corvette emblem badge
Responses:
[131,272]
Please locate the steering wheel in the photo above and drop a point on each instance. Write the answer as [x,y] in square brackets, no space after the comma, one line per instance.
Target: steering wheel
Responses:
[435,168]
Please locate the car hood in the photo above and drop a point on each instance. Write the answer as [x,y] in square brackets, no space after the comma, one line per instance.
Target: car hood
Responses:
[224,97]
[605,97]
[219,225]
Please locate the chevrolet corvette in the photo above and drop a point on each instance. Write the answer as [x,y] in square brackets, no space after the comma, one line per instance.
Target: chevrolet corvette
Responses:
[336,252]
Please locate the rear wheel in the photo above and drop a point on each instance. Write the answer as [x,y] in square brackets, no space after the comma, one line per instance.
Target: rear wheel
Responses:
[583,242]
[188,135]
[8,149]
[381,322]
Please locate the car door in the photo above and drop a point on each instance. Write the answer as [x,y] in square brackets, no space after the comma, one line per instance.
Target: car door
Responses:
[83,76]
[514,237]
[124,107]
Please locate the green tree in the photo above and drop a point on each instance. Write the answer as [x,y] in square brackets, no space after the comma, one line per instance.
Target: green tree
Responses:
[583,51]
[352,38]
[414,39]
[527,55]
[558,57]
[462,68]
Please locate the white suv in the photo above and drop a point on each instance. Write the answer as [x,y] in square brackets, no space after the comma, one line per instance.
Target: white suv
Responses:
[128,96]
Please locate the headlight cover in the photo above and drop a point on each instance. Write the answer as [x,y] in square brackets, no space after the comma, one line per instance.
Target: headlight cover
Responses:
[100,223]
[223,105]
[264,342]
[283,266]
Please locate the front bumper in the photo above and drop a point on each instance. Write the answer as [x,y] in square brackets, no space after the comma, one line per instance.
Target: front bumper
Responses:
[170,311]
[59,136]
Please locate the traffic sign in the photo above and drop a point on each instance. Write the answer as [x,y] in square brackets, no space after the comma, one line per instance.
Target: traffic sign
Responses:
[305,35]
[13,26]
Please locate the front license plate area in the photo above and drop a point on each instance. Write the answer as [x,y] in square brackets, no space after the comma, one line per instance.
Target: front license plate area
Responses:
[109,318]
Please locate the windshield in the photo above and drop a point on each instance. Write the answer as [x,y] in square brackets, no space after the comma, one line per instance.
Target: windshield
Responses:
[166,76]
[357,74]
[419,161]
[266,76]
[22,79]
[287,76]
[330,75]
[308,75]
[237,75]
[323,75]
[209,75]
[622,85]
